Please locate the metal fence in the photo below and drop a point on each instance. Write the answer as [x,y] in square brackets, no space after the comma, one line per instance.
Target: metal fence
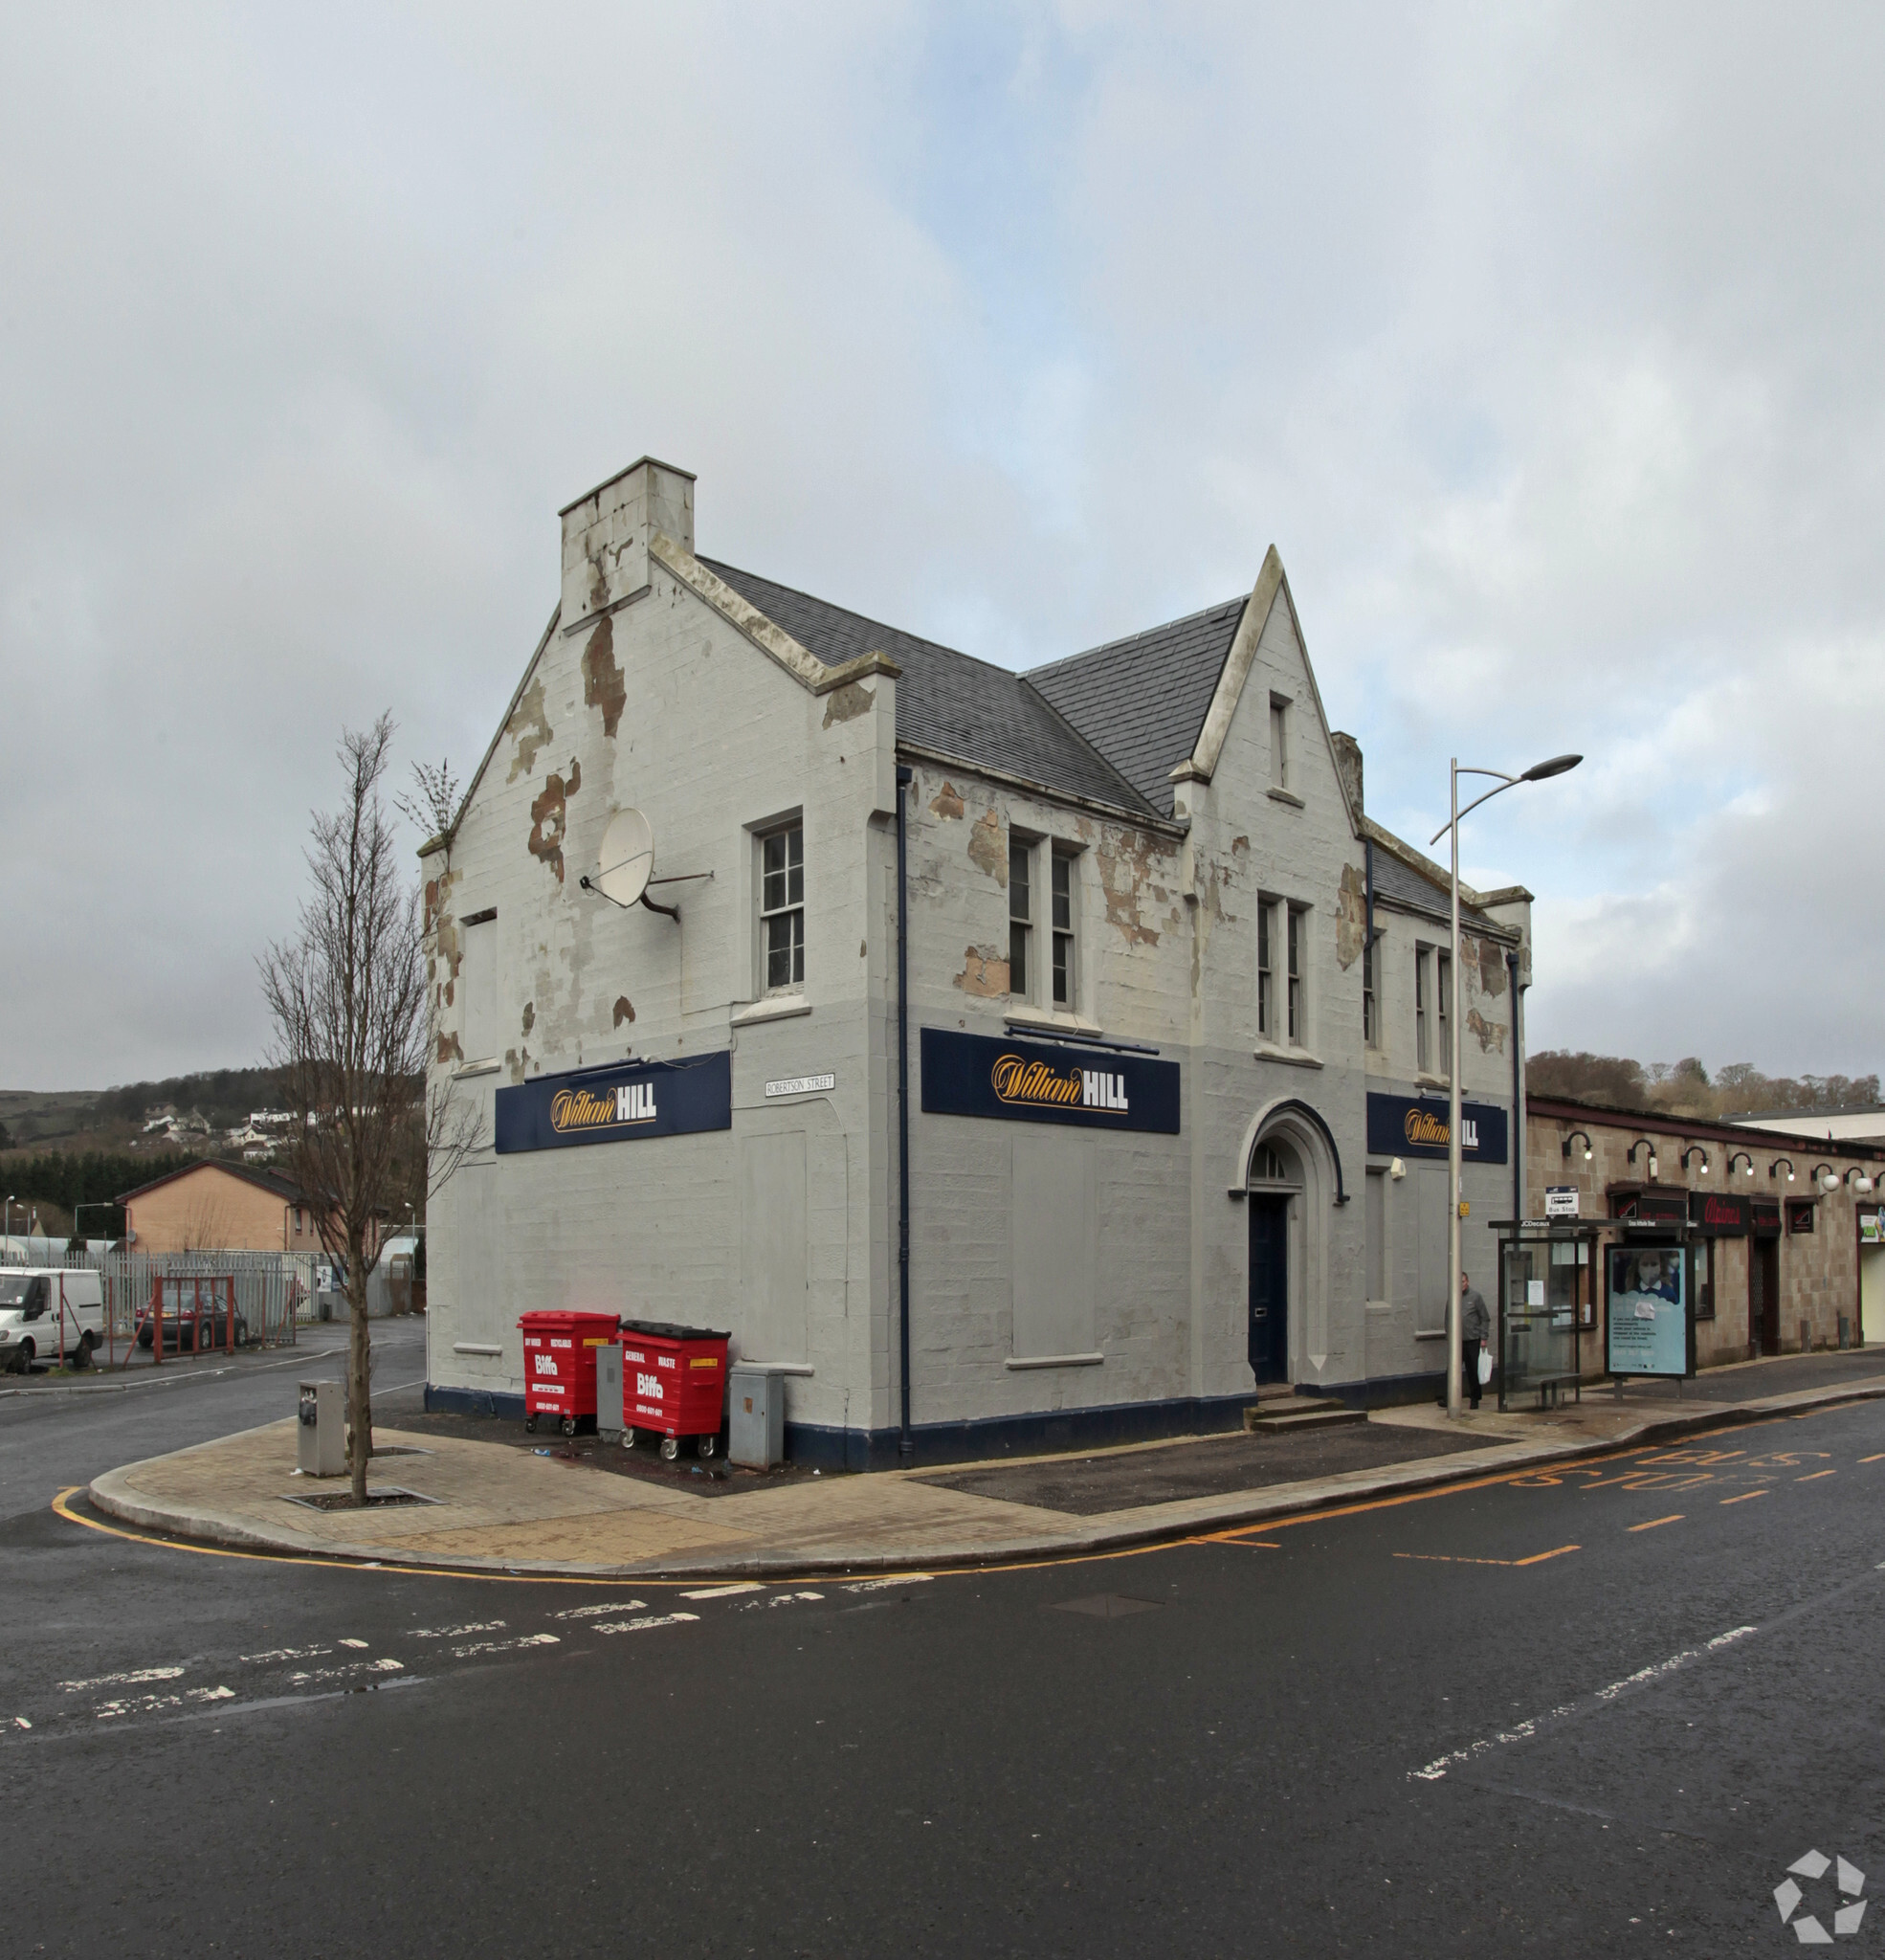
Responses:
[274,1291]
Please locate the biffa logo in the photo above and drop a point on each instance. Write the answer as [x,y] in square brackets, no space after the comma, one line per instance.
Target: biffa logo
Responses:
[1789,1896]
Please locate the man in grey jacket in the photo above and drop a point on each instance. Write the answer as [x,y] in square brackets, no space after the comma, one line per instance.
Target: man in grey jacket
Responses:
[1476,1324]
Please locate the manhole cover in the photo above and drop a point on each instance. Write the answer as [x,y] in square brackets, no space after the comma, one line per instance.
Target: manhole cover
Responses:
[343,1500]
[1107,1606]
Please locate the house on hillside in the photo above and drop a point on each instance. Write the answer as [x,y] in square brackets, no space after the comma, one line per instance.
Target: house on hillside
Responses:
[1177,1075]
[212,1206]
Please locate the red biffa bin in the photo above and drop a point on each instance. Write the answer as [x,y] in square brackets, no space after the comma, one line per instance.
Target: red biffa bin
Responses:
[674,1384]
[559,1365]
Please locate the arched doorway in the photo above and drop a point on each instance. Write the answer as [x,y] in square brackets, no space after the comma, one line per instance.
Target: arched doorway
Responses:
[1290,1177]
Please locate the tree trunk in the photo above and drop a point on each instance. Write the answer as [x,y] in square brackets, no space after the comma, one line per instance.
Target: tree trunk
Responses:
[360,1354]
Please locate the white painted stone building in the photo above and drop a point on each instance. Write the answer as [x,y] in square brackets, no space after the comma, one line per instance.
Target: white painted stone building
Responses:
[1138,891]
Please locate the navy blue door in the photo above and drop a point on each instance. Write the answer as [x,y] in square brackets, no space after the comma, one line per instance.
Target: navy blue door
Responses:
[1269,1288]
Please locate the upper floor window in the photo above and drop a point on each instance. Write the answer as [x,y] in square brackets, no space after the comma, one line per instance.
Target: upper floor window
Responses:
[1423,1031]
[1298,931]
[1066,952]
[1443,1003]
[1020,921]
[782,907]
[1279,742]
[1371,1013]
[1282,972]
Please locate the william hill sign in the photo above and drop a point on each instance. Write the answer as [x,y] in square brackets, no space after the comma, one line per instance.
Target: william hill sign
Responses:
[617,1105]
[1406,1127]
[1032,1081]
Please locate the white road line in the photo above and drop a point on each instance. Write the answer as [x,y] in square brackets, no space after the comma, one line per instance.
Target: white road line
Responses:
[345,1642]
[601,1612]
[725,1591]
[149,1704]
[20,1722]
[879,1585]
[642,1626]
[508,1646]
[1523,1731]
[114,1681]
[384,1666]
[777,1599]
[471,1626]
[286,1654]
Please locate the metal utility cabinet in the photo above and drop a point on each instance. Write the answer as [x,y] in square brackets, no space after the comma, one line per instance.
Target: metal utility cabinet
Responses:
[756,1415]
[321,1436]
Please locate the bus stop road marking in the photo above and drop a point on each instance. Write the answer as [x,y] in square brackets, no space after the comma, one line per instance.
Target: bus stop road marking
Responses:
[1815,1476]
[1443,1558]
[1674,1518]
[1745,1495]
[1879,1458]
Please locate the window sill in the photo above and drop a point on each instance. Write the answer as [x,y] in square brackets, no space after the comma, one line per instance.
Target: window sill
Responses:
[477,1068]
[477,1347]
[776,1007]
[1296,1058]
[1429,1333]
[1050,1022]
[1288,797]
[1423,1081]
[1015,1364]
[797,1370]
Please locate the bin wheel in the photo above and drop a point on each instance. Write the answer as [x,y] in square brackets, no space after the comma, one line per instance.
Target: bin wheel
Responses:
[570,1425]
[628,1439]
[670,1448]
[530,1423]
[708,1444]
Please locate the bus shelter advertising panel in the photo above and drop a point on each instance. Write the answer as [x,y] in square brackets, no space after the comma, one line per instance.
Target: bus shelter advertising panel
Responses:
[1652,1322]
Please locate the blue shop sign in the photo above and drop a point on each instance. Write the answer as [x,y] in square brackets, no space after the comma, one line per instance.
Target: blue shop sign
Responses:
[1037,1081]
[617,1105]
[1406,1127]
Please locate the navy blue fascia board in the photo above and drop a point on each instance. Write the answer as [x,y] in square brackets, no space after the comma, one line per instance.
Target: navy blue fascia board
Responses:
[474,1402]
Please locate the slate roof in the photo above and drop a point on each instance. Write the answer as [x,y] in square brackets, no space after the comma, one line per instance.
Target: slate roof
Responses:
[272,1181]
[1141,700]
[1406,886]
[949,702]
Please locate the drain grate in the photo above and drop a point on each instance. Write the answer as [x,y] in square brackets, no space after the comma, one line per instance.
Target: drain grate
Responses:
[1107,1606]
[343,1500]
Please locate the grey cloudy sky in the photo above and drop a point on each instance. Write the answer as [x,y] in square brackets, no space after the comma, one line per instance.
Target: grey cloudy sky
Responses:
[1544,342]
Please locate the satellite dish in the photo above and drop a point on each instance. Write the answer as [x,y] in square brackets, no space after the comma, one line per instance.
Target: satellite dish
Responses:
[626,860]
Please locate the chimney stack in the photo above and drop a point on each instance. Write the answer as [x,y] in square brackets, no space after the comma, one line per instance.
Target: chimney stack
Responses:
[605,536]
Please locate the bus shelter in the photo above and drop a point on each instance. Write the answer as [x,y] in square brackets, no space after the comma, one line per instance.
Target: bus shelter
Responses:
[1547,1301]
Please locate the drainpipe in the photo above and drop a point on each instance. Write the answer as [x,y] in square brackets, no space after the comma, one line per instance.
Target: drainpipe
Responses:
[1517,1086]
[906,1447]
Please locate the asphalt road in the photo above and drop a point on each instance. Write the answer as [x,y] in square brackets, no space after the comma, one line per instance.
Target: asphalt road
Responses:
[1597,1711]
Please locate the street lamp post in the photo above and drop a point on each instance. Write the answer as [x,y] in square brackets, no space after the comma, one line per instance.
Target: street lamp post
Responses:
[1536,773]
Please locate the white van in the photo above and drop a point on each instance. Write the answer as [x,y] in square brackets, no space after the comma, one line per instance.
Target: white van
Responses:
[32,1326]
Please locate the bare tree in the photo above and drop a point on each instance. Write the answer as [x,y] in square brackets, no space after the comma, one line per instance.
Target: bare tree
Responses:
[348,998]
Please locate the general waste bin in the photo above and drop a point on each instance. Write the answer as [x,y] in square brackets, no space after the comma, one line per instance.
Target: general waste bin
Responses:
[558,1364]
[673,1382]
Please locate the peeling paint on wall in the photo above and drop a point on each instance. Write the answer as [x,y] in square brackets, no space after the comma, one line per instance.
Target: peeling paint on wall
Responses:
[529,1015]
[449,1050]
[988,848]
[603,684]
[983,973]
[529,729]
[847,702]
[549,817]
[1125,868]
[1491,1033]
[946,803]
[1352,916]
[1488,956]
[624,1008]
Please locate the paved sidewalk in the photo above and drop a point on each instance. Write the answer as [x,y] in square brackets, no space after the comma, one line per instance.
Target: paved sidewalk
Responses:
[495,1509]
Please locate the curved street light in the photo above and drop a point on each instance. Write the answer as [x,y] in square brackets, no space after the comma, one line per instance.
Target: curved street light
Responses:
[1553,766]
[1747,1164]
[1830,1181]
[1574,1137]
[1693,1150]
[1774,1168]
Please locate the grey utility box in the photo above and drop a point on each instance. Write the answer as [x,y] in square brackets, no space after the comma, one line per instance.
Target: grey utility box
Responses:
[756,1415]
[321,1436]
[609,1390]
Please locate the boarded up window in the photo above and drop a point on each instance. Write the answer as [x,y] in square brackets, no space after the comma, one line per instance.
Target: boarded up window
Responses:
[772,1247]
[1052,1236]
[476,991]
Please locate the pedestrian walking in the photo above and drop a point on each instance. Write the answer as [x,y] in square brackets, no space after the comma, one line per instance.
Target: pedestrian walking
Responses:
[1474,1325]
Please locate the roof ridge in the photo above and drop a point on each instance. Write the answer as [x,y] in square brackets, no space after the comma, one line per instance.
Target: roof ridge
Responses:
[1129,638]
[849,612]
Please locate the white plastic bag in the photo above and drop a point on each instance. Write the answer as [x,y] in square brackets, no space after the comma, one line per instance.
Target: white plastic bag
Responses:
[1485,1363]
